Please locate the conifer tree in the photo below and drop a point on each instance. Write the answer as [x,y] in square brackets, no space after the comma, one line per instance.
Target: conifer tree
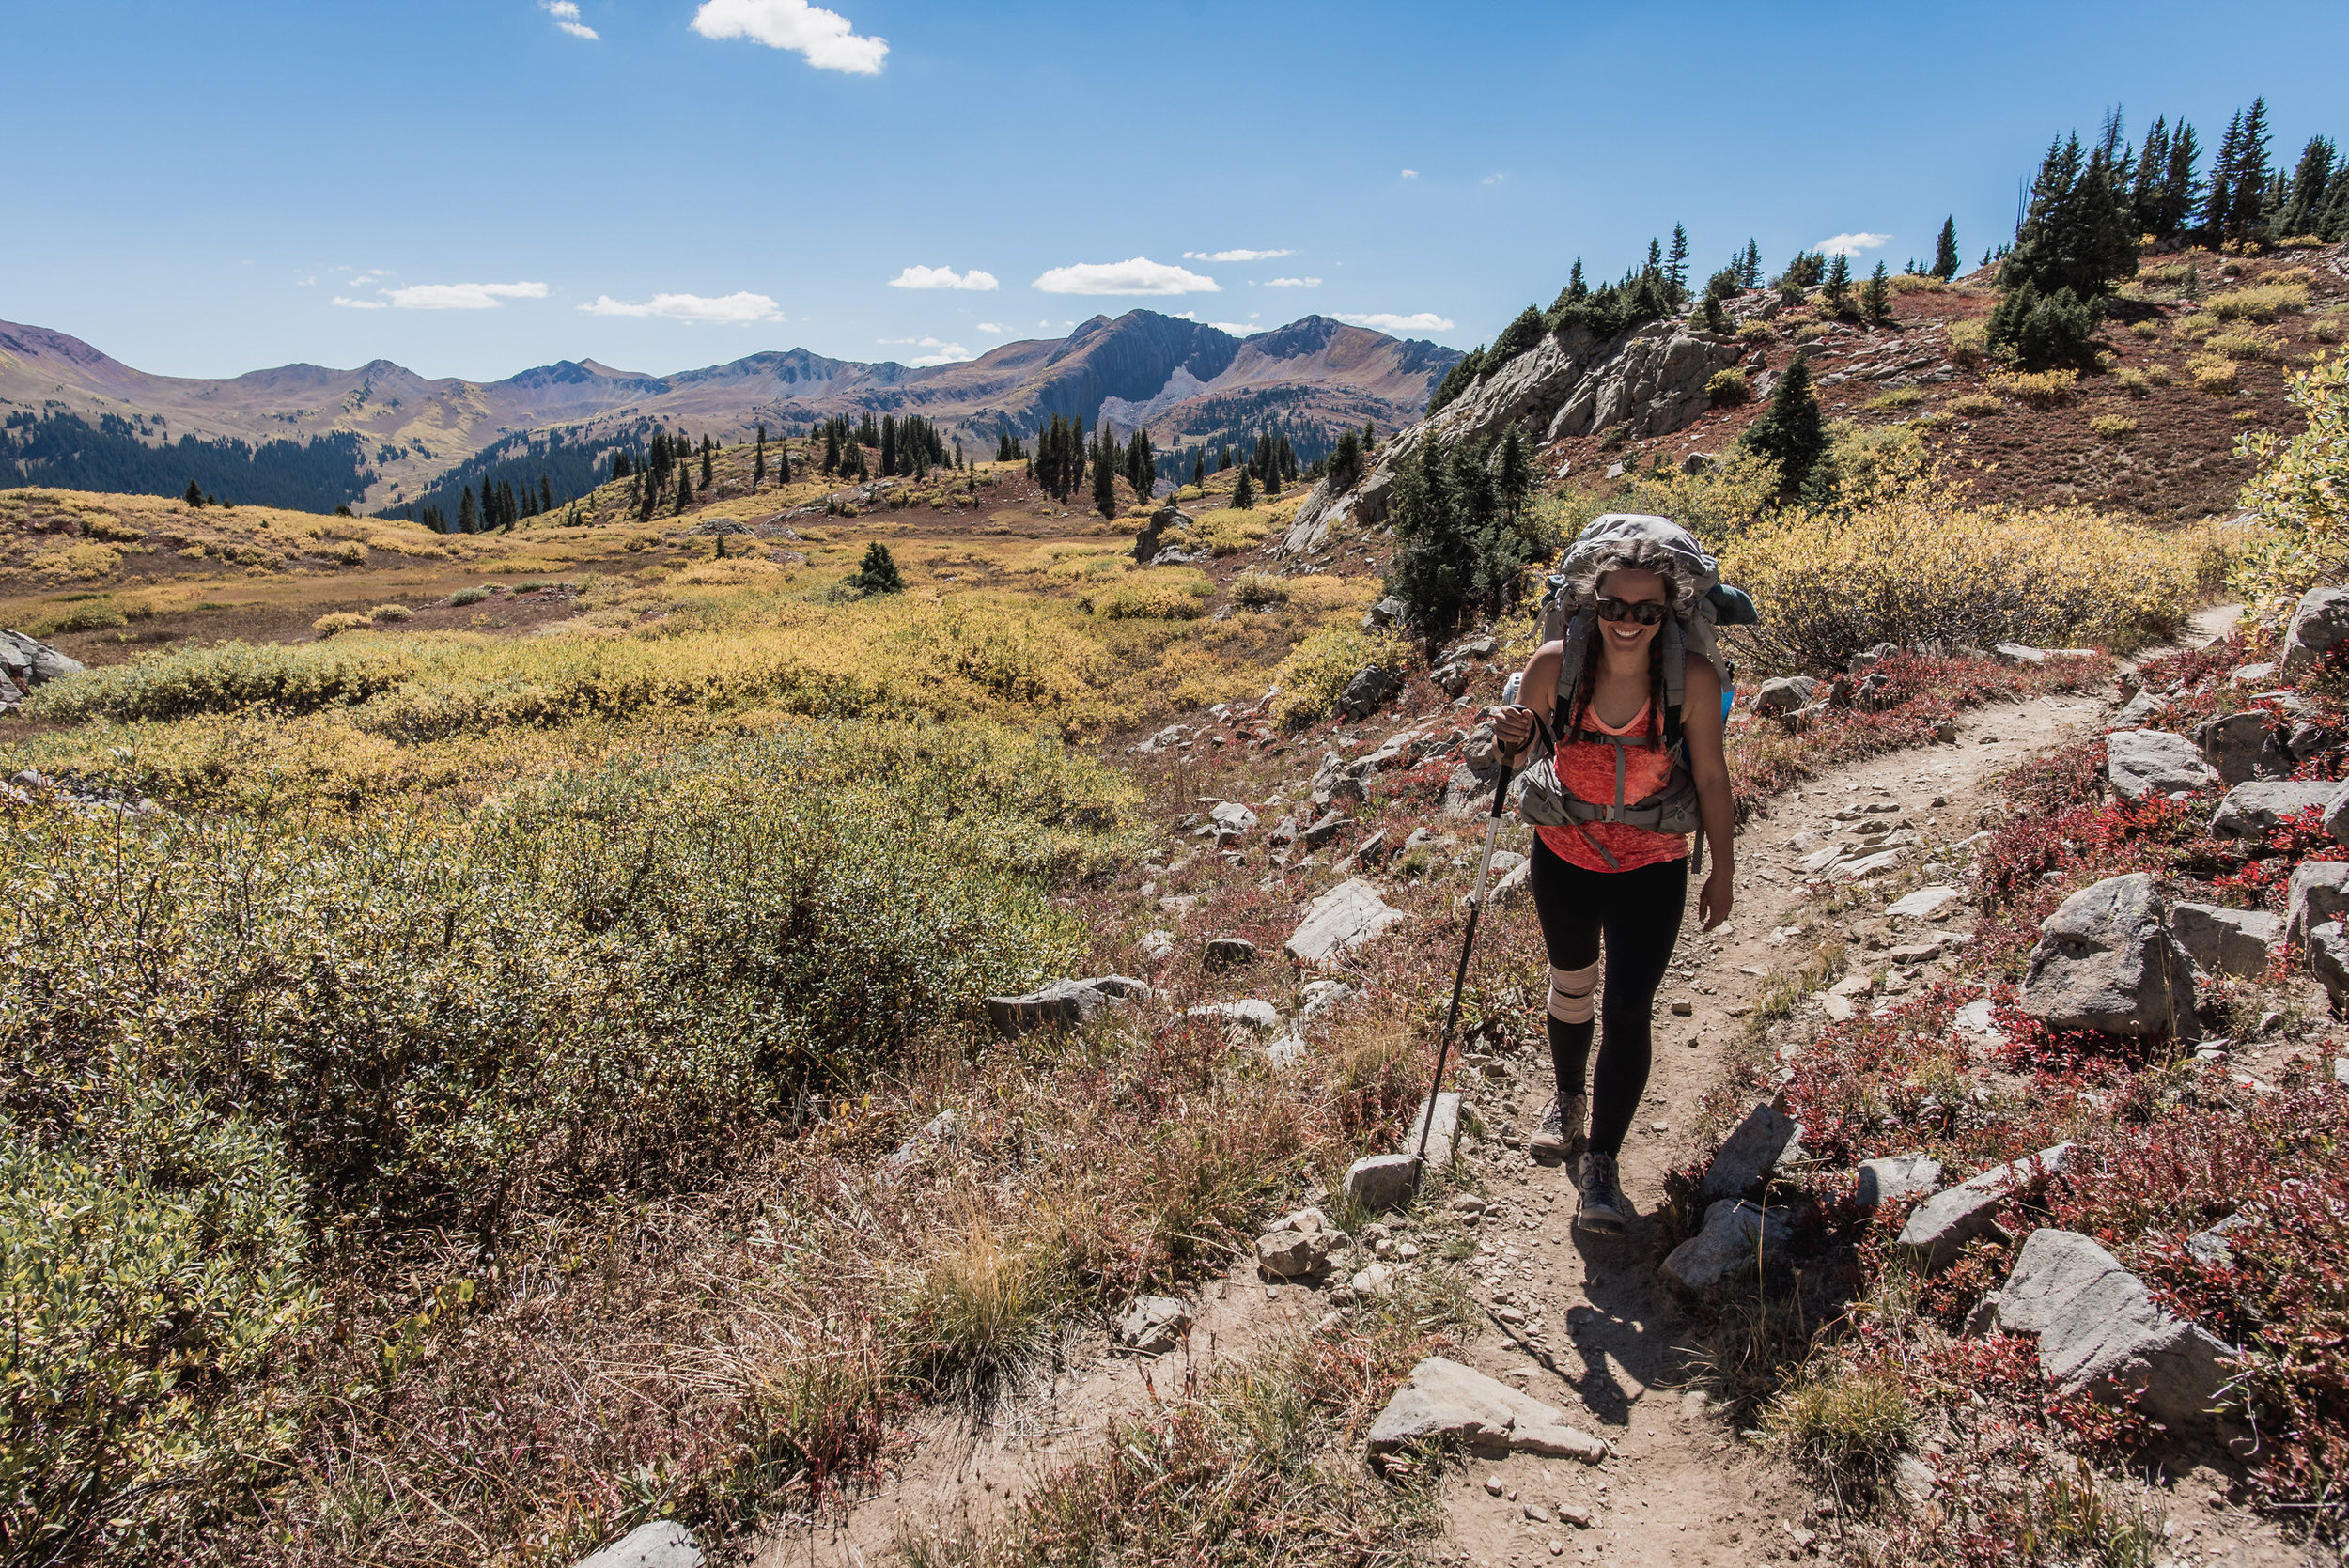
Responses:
[1676,265]
[1751,276]
[546,493]
[1791,432]
[194,498]
[1104,489]
[708,452]
[831,447]
[888,445]
[1945,250]
[783,462]
[1875,300]
[878,573]
[2216,216]
[759,460]
[1003,446]
[1199,467]
[2246,199]
[1243,493]
[1512,472]
[684,488]
[1838,287]
[621,467]
[468,520]
[1576,288]
[1370,437]
[2303,207]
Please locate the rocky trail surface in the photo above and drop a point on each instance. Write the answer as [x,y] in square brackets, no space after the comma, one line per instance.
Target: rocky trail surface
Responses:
[1584,1324]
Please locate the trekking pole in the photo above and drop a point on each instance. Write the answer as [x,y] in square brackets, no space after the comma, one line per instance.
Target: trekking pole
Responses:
[1468,942]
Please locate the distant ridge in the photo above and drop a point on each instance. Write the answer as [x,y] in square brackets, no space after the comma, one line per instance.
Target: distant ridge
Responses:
[1189,384]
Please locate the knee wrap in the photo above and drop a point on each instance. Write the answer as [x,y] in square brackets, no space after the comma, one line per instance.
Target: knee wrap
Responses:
[1570,993]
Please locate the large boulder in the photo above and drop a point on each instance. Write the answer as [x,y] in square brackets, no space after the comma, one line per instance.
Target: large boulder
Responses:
[1446,1402]
[2105,961]
[27,661]
[2319,624]
[2328,960]
[1752,1151]
[1941,1226]
[1382,1182]
[1371,689]
[1734,1238]
[2147,763]
[2244,746]
[2253,810]
[2224,941]
[1063,1004]
[2101,1333]
[2318,891]
[1783,696]
[2337,816]
[662,1544]
[1338,922]
[1440,1121]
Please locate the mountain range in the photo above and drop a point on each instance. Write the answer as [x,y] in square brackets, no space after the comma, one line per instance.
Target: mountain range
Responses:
[1189,384]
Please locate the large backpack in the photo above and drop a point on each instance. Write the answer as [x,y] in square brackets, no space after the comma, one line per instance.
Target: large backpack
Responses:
[1572,619]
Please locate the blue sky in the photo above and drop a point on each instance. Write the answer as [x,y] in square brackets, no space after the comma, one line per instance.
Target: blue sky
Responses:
[486,185]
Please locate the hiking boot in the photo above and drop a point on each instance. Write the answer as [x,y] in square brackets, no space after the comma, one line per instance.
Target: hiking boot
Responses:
[1564,1132]
[1602,1206]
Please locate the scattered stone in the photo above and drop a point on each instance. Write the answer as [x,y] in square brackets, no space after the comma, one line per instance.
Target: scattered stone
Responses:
[1783,696]
[1153,1324]
[935,1131]
[2337,816]
[1382,1182]
[1467,1202]
[1225,953]
[1683,1007]
[1257,1014]
[2154,763]
[1923,903]
[2212,1247]
[1233,817]
[2141,709]
[1576,1514]
[1339,921]
[662,1544]
[1944,1224]
[1322,831]
[2318,623]
[1157,947]
[1318,996]
[1375,1280]
[1536,1513]
[2101,1333]
[2328,960]
[1062,1004]
[1288,1052]
[1897,1179]
[2226,941]
[2243,746]
[1371,689]
[1293,1254]
[1752,1151]
[1493,1486]
[1442,1134]
[1446,1402]
[2105,961]
[1975,1020]
[1382,614]
[2253,810]
[1734,1235]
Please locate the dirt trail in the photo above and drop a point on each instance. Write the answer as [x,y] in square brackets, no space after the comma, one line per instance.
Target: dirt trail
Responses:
[1680,1489]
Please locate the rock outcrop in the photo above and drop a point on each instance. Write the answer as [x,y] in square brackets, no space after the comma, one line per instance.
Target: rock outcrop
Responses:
[1341,919]
[1735,1240]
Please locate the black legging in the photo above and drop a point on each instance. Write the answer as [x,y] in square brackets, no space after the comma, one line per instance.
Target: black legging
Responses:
[1639,912]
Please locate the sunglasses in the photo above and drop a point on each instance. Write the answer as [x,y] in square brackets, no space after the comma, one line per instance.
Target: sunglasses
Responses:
[1646,613]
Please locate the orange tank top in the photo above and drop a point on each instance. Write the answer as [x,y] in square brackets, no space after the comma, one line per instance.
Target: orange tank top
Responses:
[1586,768]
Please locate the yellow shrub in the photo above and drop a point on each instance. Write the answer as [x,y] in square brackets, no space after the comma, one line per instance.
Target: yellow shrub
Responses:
[2214,374]
[1228,531]
[2041,389]
[2250,346]
[82,561]
[350,552]
[1917,283]
[2146,330]
[1810,332]
[390,612]
[1316,670]
[2132,381]
[1729,387]
[341,620]
[102,525]
[2113,424]
[2261,302]
[1162,594]
[1975,405]
[1922,570]
[1899,398]
[2300,495]
[1752,334]
[1256,590]
[2198,326]
[423,544]
[2332,329]
[2160,375]
[1969,341]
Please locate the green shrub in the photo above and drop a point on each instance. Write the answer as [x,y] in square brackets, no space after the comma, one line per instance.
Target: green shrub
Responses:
[464,596]
[341,620]
[1899,398]
[2114,426]
[2042,331]
[93,614]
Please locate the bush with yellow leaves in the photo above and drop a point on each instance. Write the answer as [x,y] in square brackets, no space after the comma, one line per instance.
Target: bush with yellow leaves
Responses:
[340,620]
[1316,670]
[2300,496]
[2041,389]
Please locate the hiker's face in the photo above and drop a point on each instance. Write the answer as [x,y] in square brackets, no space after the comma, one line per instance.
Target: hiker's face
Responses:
[1627,638]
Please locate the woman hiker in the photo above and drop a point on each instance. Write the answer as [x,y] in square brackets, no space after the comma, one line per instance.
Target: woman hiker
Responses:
[1616,743]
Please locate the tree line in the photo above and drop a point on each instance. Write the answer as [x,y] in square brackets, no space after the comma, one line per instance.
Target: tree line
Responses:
[68,452]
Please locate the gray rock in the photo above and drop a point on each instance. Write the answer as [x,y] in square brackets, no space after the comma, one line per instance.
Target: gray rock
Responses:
[2101,1333]
[1897,1179]
[2252,810]
[2319,623]
[1293,1254]
[2141,710]
[2018,653]
[2216,1245]
[1513,885]
[1324,830]
[1442,1135]
[2223,940]
[1062,1004]
[2146,763]
[1454,678]
[1225,953]
[662,1544]
[1382,1182]
[1943,1224]
[1752,1151]
[1260,1016]
[2244,746]
[1288,1051]
[1340,921]
[2105,961]
[1382,614]
[1447,1403]
[2318,891]
[1783,696]
[1316,998]
[1153,1324]
[2328,960]
[1233,817]
[1863,662]
[41,663]
[2337,816]
[1371,689]
[1923,902]
[1733,1239]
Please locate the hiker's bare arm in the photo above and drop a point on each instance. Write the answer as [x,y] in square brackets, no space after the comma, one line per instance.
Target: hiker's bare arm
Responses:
[1537,692]
[1700,722]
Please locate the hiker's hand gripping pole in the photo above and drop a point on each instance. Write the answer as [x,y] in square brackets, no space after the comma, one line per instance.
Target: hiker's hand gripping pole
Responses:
[1468,942]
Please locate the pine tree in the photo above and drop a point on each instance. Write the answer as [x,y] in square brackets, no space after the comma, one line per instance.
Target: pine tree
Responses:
[2181,187]
[1945,250]
[1676,265]
[1370,437]
[546,493]
[1104,487]
[1838,286]
[1791,432]
[2303,207]
[783,463]
[2216,215]
[1576,288]
[468,520]
[1243,493]
[1512,472]
[1003,446]
[1750,276]
[1875,300]
[2246,200]
[708,452]
[1199,467]
[878,573]
[2152,163]
[831,447]
[684,490]
[888,445]
[758,460]
[194,498]
[2079,234]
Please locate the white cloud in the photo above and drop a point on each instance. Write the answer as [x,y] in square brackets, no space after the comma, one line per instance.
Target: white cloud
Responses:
[944,277]
[1424,321]
[461,296]
[566,14]
[358,305]
[1292,282]
[1237,329]
[991,327]
[1851,244]
[1234,256]
[1410,174]
[826,39]
[723,309]
[1492,179]
[1138,275]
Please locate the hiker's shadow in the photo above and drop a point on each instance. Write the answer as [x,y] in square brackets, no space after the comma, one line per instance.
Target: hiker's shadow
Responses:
[1621,1339]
